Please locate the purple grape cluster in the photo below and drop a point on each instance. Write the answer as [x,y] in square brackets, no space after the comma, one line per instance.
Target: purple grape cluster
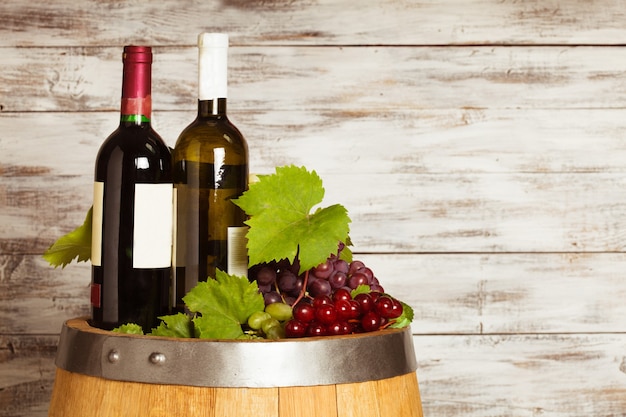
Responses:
[281,282]
[321,298]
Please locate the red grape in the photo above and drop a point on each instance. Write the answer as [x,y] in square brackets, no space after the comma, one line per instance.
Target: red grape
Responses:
[355,266]
[341,294]
[266,276]
[341,266]
[323,271]
[294,328]
[397,309]
[316,329]
[344,309]
[355,309]
[339,328]
[384,306]
[338,279]
[304,312]
[318,287]
[326,314]
[287,281]
[365,301]
[321,300]
[368,273]
[356,279]
[371,321]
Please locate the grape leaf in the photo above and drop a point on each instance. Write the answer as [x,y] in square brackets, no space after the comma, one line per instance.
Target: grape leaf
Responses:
[129,328]
[361,289]
[175,325]
[223,304]
[74,245]
[281,223]
[346,252]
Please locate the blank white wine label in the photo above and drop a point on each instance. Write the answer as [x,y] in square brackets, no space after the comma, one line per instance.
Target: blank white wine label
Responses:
[96,223]
[152,237]
[237,251]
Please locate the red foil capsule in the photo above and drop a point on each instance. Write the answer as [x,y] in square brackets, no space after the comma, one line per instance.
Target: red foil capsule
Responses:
[137,81]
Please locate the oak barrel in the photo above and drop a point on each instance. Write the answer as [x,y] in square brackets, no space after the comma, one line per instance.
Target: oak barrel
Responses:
[105,374]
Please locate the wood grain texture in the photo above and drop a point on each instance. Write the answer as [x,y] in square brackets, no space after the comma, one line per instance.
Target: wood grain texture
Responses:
[408,213]
[478,146]
[478,293]
[507,293]
[495,375]
[352,81]
[425,141]
[436,213]
[26,374]
[446,186]
[425,22]
[316,401]
[261,402]
[76,395]
[523,375]
[35,299]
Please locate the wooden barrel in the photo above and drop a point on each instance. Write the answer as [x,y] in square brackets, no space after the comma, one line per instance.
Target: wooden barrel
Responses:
[105,374]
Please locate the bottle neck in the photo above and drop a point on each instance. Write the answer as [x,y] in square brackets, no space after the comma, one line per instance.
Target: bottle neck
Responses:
[136,104]
[212,108]
[212,72]
[136,111]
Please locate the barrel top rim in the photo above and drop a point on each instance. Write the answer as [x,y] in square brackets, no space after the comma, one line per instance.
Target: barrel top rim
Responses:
[82,324]
[324,360]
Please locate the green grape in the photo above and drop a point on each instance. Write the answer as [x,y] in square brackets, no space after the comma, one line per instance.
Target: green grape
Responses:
[257,318]
[246,336]
[267,325]
[275,332]
[279,311]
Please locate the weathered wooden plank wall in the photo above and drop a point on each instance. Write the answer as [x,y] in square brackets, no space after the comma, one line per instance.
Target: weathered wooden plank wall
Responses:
[477,144]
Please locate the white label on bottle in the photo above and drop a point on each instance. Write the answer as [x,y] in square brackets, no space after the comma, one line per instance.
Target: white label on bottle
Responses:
[237,251]
[96,223]
[152,238]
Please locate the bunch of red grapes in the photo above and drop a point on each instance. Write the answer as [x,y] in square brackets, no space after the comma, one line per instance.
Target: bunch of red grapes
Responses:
[326,306]
[339,314]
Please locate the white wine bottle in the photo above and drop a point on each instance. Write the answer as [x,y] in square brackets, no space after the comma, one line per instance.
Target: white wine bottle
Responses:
[210,163]
[131,252]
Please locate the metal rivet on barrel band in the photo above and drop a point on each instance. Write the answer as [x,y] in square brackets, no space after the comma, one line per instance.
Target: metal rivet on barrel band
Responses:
[114,356]
[157,358]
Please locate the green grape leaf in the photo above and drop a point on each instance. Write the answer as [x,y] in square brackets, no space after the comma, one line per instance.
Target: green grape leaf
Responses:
[74,245]
[361,289]
[281,223]
[346,252]
[175,325]
[222,305]
[405,318]
[129,328]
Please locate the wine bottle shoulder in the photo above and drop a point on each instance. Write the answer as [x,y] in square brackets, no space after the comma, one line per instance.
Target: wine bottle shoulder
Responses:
[199,140]
[141,140]
[139,149]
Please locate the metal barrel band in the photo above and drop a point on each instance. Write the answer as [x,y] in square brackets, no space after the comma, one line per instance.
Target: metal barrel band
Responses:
[235,363]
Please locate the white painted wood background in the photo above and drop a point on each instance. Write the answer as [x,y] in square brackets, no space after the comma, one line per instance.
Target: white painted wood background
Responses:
[478,145]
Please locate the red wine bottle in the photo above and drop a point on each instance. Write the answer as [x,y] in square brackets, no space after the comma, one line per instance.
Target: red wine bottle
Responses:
[210,163]
[132,210]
